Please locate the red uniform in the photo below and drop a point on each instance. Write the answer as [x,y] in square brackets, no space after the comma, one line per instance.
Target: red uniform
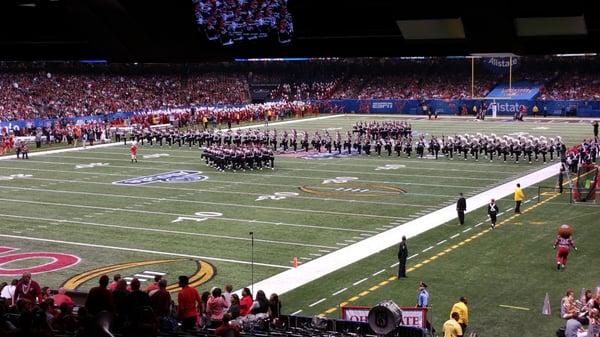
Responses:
[564,247]
[133,150]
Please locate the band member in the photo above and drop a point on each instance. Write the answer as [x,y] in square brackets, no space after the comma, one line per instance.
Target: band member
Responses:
[133,150]
[493,212]
[388,146]
[564,241]
[348,143]
[337,143]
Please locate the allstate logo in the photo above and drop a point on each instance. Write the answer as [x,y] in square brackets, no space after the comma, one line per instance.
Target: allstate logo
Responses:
[168,177]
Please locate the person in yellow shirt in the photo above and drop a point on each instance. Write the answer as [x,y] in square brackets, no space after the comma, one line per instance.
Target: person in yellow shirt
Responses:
[451,326]
[519,196]
[460,307]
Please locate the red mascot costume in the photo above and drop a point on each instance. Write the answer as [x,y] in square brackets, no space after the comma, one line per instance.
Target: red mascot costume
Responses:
[564,242]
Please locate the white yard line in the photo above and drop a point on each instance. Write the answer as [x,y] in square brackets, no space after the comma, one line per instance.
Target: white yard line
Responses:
[317,302]
[82,244]
[145,229]
[339,291]
[210,190]
[310,271]
[359,281]
[377,273]
[262,175]
[112,195]
[111,209]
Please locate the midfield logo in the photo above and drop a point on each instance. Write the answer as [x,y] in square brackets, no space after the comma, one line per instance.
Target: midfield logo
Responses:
[167,177]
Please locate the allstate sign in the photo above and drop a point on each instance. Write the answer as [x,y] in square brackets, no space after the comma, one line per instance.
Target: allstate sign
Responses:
[501,64]
[167,177]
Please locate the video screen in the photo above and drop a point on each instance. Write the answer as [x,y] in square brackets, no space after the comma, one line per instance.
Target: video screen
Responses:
[232,21]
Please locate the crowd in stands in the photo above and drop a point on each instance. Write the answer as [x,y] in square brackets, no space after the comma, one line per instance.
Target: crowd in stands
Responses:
[236,20]
[49,90]
[28,310]
[579,312]
[41,93]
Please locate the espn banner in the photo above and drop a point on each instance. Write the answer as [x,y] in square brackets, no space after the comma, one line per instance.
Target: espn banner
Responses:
[411,316]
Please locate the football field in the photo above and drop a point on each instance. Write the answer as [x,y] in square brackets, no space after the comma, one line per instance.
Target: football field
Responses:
[171,214]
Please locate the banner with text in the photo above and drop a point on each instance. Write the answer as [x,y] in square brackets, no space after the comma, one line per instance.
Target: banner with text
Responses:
[411,316]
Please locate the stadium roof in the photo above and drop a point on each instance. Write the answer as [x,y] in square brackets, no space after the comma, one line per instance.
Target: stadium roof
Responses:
[165,30]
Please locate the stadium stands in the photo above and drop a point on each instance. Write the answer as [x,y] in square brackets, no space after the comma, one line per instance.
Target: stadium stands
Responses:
[51,90]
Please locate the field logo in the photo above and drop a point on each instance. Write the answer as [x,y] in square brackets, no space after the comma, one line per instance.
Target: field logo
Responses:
[327,155]
[15,176]
[390,167]
[58,261]
[91,165]
[202,272]
[167,177]
[198,217]
[277,196]
[156,155]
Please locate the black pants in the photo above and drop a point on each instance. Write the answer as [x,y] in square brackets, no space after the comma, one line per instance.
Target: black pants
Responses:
[493,217]
[518,206]
[402,267]
[461,217]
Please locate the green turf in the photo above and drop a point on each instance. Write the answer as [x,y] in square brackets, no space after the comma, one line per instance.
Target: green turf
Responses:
[65,204]
[512,265]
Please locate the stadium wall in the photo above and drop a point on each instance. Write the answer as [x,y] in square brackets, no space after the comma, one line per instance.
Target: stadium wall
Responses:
[506,107]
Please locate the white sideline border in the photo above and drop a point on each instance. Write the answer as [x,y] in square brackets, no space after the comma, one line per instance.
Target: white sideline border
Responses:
[317,268]
[99,146]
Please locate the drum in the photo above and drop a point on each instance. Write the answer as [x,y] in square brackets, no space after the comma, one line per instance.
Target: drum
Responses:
[385,317]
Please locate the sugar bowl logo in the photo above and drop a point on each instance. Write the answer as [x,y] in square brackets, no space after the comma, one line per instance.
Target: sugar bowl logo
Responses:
[167,177]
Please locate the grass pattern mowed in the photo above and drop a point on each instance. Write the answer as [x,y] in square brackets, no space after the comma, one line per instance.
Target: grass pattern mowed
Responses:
[99,213]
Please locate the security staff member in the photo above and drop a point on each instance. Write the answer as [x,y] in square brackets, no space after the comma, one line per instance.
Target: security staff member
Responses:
[493,212]
[402,256]
[461,207]
[519,196]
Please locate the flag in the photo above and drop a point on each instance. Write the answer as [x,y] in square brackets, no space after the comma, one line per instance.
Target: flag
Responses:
[546,309]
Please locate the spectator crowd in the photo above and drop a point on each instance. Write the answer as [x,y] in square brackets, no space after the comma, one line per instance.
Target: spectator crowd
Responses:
[126,308]
[48,90]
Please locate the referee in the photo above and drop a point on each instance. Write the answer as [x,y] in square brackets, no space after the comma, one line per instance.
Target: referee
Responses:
[461,207]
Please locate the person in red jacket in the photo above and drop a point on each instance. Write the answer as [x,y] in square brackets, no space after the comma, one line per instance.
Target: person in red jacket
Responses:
[188,303]
[246,302]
